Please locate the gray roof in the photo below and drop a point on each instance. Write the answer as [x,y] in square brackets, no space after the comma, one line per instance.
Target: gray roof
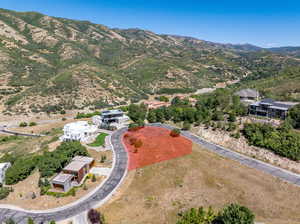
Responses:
[247,93]
[280,105]
[62,178]
[86,159]
[278,108]
[75,166]
[111,112]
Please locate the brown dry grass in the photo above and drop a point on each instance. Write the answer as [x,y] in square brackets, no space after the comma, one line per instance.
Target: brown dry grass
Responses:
[46,127]
[97,156]
[156,193]
[20,196]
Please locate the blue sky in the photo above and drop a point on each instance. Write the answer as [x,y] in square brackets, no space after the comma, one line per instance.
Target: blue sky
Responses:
[260,22]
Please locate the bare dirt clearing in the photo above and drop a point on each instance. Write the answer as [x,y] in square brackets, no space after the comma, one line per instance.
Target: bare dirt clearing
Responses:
[156,146]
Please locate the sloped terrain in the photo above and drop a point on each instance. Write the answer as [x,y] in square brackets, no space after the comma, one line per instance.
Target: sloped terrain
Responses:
[49,63]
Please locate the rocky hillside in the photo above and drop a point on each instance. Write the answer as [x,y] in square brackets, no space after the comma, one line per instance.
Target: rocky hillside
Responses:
[49,63]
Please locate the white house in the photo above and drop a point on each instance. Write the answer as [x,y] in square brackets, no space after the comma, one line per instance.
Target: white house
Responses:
[3,168]
[79,131]
[97,120]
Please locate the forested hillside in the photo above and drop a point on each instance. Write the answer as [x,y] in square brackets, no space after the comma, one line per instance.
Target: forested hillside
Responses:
[48,63]
[283,86]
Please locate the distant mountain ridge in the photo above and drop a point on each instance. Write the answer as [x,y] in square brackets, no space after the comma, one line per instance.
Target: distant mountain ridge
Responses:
[49,63]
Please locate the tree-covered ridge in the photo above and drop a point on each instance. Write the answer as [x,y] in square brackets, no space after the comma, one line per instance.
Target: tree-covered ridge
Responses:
[222,110]
[284,86]
[73,63]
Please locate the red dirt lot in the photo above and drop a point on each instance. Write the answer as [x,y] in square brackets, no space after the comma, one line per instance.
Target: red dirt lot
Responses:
[151,145]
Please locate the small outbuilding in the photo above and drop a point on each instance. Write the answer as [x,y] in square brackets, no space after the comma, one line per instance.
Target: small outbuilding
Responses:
[62,182]
[3,168]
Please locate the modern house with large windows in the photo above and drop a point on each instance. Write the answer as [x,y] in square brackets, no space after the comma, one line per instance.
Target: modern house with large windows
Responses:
[271,108]
[73,174]
[110,116]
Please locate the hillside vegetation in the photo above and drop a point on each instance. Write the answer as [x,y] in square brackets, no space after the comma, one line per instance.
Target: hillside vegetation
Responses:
[284,86]
[58,63]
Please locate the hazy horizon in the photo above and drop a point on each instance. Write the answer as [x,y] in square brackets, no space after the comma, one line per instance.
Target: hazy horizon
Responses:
[264,24]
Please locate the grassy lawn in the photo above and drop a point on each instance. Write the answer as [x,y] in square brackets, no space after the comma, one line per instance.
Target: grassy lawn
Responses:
[100,140]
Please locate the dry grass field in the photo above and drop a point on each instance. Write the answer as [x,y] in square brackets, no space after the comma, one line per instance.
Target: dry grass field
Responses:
[21,196]
[156,193]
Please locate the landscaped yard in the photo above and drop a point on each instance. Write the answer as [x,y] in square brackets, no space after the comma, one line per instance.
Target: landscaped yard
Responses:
[99,141]
[156,193]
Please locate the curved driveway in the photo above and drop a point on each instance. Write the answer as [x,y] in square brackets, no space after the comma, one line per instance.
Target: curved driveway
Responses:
[102,193]
[245,160]
[95,198]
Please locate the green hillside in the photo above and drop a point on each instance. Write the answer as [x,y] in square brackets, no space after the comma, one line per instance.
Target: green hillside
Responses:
[48,62]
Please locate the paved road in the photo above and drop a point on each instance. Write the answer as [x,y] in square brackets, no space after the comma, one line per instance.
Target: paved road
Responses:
[118,173]
[245,160]
[94,199]
[3,130]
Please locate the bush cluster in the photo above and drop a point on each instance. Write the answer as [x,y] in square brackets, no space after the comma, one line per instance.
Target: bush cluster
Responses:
[230,214]
[4,192]
[87,115]
[280,140]
[48,163]
[53,162]
[175,132]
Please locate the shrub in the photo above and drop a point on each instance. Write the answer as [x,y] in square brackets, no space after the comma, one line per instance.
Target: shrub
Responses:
[231,117]
[23,124]
[10,221]
[175,132]
[294,114]
[95,217]
[103,158]
[87,115]
[30,221]
[186,126]
[236,135]
[132,140]
[197,216]
[94,179]
[236,214]
[32,124]
[138,143]
[231,126]
[20,169]
[136,126]
[4,192]
[73,192]
[162,98]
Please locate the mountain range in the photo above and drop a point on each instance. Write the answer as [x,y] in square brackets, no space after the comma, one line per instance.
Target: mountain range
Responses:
[49,63]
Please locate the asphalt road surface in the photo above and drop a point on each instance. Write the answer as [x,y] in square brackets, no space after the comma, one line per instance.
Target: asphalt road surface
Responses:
[20,216]
[245,160]
[118,171]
